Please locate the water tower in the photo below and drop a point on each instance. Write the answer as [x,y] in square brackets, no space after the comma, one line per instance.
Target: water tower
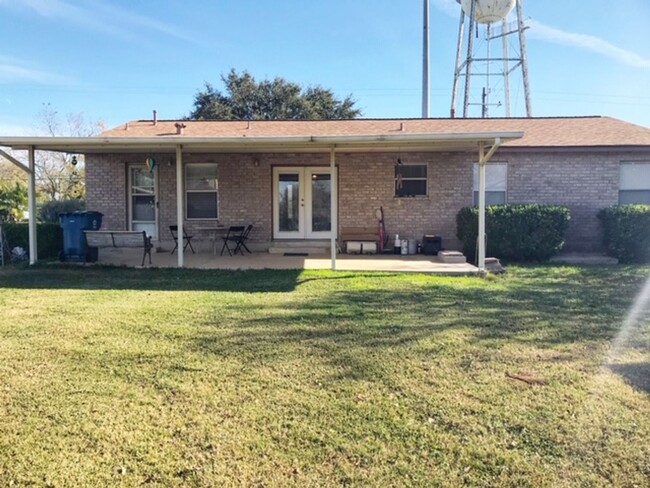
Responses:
[487,76]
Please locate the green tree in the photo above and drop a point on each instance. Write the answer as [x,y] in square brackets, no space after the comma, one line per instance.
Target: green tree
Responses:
[13,201]
[278,99]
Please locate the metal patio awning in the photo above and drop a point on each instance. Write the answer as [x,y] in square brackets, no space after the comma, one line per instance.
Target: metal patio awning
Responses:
[485,143]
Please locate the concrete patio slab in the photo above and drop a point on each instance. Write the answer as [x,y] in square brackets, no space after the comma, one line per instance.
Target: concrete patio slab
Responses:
[392,263]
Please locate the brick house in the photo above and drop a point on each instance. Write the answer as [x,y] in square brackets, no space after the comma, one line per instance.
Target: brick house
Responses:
[280,175]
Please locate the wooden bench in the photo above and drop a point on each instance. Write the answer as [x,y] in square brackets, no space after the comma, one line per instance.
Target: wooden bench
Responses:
[362,235]
[120,238]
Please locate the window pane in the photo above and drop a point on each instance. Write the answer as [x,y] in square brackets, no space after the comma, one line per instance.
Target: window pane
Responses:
[143,208]
[321,203]
[411,170]
[202,205]
[634,196]
[142,177]
[288,193]
[411,188]
[201,177]
[635,176]
[491,198]
[496,177]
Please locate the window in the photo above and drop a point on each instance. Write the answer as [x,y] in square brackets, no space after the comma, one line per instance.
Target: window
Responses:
[634,186]
[201,191]
[496,183]
[411,180]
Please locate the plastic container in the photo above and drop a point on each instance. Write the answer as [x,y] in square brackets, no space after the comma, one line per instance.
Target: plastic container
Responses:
[413,246]
[74,239]
[405,247]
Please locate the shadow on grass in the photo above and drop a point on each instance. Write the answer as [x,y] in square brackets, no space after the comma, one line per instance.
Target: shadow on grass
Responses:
[636,374]
[61,277]
[348,328]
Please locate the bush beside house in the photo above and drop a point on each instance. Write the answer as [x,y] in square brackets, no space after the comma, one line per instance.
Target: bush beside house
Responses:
[626,232]
[527,232]
[49,237]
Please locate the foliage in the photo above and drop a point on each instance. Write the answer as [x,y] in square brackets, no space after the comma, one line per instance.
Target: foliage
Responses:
[13,201]
[278,99]
[166,377]
[49,238]
[626,232]
[49,211]
[526,232]
[57,177]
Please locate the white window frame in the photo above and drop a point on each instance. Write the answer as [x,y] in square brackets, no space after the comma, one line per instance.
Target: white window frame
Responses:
[420,178]
[188,191]
[638,179]
[488,188]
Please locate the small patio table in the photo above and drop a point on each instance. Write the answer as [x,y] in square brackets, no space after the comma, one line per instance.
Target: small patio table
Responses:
[214,232]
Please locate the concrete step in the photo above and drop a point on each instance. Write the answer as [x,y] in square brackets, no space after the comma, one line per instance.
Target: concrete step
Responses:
[302,246]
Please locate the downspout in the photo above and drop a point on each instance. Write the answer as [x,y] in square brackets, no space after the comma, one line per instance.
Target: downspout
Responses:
[31,198]
[179,203]
[333,207]
[483,160]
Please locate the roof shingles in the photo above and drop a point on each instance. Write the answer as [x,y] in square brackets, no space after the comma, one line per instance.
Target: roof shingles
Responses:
[538,132]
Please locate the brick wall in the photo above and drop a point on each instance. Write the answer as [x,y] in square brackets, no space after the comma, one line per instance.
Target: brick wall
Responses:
[585,182]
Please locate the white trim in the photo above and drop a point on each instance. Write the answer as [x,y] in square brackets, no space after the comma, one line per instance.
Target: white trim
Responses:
[304,174]
[425,141]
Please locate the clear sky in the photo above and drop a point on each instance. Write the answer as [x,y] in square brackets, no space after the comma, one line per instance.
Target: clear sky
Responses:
[118,60]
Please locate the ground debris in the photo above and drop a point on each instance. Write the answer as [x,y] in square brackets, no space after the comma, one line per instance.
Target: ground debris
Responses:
[527,377]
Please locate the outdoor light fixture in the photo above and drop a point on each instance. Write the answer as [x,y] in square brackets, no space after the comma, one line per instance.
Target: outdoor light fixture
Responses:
[74,161]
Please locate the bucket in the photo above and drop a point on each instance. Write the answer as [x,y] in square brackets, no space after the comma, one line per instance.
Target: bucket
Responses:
[405,246]
[413,246]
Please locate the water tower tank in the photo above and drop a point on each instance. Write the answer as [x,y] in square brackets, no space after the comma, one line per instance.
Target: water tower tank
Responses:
[488,11]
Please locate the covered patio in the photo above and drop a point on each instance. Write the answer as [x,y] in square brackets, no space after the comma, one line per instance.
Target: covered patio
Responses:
[483,144]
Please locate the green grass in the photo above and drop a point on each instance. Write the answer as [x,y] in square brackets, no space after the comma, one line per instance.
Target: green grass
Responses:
[125,377]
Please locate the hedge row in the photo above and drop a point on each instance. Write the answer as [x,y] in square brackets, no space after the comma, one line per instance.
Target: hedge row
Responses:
[626,232]
[527,232]
[49,238]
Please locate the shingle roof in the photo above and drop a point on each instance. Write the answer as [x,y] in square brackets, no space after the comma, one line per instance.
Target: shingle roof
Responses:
[593,131]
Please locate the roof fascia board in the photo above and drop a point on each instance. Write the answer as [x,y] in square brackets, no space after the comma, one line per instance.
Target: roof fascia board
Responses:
[80,144]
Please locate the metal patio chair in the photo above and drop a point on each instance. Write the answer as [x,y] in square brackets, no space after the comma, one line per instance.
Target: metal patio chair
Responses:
[234,236]
[188,239]
[243,239]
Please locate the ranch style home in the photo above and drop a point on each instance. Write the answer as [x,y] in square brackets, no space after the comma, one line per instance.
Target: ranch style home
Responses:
[307,180]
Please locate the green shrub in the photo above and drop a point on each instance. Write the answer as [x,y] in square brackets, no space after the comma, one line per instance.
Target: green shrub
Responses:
[526,232]
[49,211]
[48,236]
[626,232]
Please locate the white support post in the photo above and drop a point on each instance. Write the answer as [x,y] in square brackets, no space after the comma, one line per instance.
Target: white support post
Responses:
[483,159]
[333,207]
[180,185]
[31,198]
[481,208]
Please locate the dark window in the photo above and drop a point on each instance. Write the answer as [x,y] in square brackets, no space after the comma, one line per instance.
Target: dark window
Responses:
[411,180]
[201,191]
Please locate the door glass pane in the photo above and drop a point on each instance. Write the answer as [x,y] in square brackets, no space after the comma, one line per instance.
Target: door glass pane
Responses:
[321,197]
[142,181]
[144,208]
[289,200]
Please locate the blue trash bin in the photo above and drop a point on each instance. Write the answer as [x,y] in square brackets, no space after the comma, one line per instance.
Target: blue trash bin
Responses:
[74,239]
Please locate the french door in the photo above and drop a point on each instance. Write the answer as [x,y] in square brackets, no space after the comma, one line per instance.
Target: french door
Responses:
[302,202]
[143,200]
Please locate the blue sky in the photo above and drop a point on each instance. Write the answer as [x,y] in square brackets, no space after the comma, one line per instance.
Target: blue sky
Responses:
[118,60]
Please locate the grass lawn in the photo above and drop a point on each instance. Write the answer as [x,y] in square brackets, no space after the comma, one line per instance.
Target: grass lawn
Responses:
[125,377]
